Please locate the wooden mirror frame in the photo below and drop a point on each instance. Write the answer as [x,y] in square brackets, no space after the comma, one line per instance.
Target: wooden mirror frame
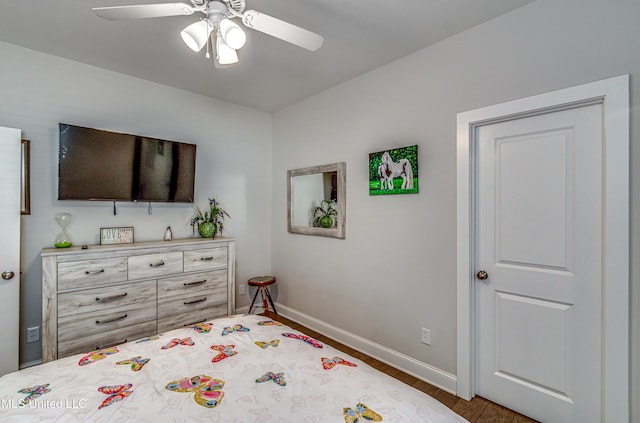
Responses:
[339,230]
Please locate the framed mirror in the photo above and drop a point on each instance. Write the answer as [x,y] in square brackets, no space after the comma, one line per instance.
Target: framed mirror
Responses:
[316,200]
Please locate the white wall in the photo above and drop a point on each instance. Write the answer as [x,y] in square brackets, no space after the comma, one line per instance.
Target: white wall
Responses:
[233,151]
[396,270]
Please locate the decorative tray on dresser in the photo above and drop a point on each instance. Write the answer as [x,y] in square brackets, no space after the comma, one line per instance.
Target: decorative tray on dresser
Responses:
[108,294]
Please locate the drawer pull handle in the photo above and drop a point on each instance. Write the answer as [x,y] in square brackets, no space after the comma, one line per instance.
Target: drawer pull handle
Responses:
[111,298]
[98,322]
[206,258]
[98,347]
[93,272]
[194,283]
[194,323]
[196,301]
[157,264]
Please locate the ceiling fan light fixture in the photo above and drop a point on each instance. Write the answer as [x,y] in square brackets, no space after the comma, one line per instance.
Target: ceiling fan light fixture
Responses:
[225,55]
[232,34]
[195,36]
[230,37]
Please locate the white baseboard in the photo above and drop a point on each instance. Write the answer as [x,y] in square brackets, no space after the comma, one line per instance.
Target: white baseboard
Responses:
[243,310]
[439,378]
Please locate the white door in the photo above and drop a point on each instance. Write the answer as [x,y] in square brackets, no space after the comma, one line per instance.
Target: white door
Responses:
[539,225]
[10,257]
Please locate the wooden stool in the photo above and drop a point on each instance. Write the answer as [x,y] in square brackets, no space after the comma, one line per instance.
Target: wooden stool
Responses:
[262,282]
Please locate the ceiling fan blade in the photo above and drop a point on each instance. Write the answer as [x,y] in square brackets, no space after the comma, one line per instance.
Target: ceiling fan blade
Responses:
[283,30]
[142,11]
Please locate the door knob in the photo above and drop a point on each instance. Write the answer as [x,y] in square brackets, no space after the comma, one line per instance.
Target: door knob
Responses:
[482,275]
[7,274]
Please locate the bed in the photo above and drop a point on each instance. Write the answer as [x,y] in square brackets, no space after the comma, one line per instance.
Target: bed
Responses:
[243,368]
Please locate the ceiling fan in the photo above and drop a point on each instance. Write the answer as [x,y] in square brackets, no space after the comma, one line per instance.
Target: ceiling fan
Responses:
[217,22]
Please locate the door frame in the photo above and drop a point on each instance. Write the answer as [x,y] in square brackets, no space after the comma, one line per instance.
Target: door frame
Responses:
[10,181]
[613,94]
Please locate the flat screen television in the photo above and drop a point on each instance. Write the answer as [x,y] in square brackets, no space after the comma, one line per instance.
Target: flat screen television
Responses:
[100,165]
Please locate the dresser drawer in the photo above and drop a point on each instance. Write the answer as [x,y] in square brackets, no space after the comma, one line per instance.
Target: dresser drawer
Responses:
[190,317]
[114,318]
[154,265]
[98,300]
[89,273]
[187,285]
[82,344]
[205,259]
[187,302]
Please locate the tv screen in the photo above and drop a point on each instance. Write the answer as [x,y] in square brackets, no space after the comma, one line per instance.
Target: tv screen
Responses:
[102,165]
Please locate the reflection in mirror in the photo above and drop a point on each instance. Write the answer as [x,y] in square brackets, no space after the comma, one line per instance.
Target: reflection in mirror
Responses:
[316,200]
[315,197]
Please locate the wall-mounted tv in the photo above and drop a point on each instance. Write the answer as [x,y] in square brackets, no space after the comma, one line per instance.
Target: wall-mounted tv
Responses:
[100,165]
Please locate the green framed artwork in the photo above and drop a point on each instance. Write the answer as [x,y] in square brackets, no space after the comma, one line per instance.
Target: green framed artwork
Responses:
[394,171]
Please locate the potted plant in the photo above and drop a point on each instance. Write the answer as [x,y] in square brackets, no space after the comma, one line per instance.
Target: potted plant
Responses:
[323,215]
[209,222]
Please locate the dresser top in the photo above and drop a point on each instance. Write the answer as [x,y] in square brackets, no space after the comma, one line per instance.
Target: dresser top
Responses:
[136,245]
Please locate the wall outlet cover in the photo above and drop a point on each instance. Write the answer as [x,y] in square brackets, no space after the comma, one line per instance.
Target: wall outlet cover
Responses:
[426,336]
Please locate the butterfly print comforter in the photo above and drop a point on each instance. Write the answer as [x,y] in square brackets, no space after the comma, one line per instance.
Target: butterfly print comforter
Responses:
[235,369]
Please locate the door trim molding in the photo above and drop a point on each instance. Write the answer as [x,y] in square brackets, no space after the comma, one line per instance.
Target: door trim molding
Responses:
[613,94]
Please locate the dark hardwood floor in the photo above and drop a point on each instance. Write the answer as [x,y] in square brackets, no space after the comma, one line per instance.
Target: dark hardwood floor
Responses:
[478,410]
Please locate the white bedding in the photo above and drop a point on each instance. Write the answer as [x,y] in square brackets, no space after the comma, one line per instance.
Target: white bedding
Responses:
[284,378]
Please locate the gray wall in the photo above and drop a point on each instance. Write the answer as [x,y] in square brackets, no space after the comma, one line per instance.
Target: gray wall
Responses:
[40,90]
[396,270]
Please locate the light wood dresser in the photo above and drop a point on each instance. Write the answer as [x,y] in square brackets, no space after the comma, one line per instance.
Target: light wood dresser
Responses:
[108,294]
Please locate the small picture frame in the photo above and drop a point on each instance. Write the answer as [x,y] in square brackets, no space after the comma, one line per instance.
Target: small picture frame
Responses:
[116,235]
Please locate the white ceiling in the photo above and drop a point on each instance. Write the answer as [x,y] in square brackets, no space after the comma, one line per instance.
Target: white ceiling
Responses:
[360,35]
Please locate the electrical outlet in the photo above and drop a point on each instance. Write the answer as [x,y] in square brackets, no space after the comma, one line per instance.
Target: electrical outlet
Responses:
[241,289]
[33,334]
[426,336]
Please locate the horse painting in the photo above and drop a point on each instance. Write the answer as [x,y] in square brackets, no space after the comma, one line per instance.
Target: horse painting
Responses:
[388,170]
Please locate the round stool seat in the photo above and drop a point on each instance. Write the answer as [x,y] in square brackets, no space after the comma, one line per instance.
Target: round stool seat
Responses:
[262,281]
